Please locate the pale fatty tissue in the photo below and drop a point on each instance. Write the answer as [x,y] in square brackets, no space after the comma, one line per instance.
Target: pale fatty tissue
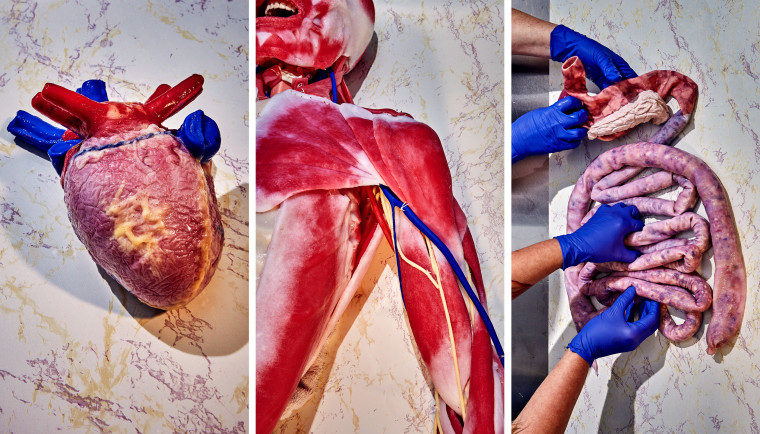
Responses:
[647,106]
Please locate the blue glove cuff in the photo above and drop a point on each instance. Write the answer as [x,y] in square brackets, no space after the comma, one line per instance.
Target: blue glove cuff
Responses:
[561,43]
[571,256]
[515,155]
[575,347]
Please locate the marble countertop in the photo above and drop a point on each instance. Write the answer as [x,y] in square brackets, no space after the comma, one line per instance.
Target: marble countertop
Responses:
[661,386]
[79,354]
[442,63]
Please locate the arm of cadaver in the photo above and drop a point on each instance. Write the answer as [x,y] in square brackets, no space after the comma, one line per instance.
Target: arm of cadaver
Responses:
[348,293]
[309,262]
[409,158]
[549,409]
[351,147]
[264,230]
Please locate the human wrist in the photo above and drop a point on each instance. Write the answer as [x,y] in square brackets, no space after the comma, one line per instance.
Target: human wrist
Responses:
[530,35]
[576,358]
[577,347]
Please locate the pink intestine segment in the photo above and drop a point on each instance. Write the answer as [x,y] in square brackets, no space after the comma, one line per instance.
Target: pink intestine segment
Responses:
[665,271]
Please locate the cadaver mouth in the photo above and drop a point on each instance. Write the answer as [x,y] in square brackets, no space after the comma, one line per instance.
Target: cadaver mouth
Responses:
[277,8]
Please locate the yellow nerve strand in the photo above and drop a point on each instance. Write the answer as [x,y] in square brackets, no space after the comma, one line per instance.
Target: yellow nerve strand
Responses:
[387,212]
[434,264]
[438,427]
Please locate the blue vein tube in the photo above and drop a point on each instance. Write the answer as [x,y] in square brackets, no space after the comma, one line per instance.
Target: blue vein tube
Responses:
[396,202]
[334,85]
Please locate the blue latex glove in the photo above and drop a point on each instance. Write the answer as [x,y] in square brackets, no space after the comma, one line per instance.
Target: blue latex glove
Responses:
[613,331]
[602,65]
[601,238]
[550,129]
[200,135]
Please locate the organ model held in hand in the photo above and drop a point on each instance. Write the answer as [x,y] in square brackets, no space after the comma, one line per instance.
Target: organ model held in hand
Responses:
[140,197]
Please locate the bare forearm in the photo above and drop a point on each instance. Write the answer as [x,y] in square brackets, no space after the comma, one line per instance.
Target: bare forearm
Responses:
[533,263]
[530,35]
[549,409]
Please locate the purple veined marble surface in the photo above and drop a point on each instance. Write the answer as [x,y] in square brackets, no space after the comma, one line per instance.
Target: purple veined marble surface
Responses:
[661,386]
[79,354]
[443,63]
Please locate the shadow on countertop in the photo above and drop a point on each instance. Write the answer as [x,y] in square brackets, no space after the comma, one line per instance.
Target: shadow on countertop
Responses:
[216,322]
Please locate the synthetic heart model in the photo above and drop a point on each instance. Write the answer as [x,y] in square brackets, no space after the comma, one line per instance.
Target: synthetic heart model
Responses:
[138,199]
[332,178]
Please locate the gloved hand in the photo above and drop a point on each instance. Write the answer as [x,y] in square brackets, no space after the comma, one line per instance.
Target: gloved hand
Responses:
[602,65]
[549,129]
[601,238]
[613,332]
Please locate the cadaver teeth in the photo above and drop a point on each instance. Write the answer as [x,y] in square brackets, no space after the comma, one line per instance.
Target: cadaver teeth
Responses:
[280,10]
